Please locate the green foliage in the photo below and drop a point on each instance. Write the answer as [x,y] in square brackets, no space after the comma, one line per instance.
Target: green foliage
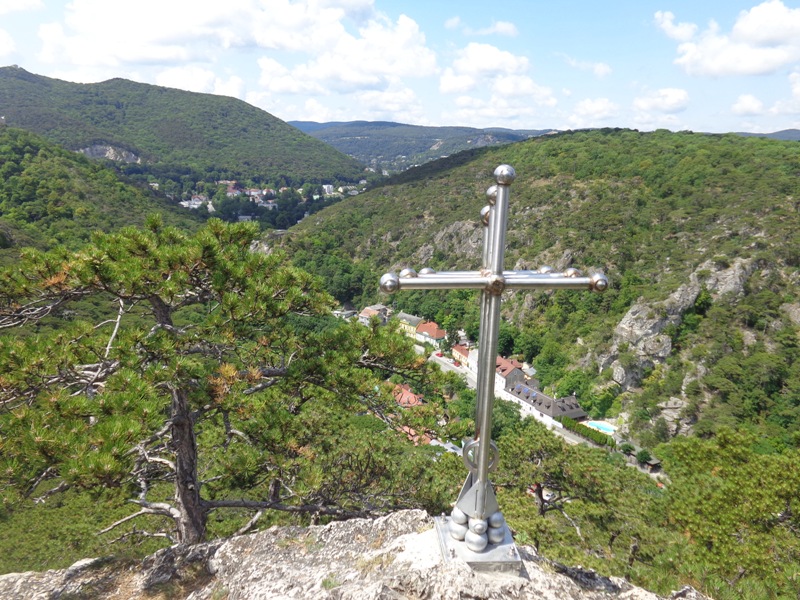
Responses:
[49,196]
[505,415]
[172,131]
[737,510]
[221,372]
[598,437]
[395,146]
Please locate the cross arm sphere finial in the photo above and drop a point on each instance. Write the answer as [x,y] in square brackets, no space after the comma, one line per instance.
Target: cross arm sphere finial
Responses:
[476,518]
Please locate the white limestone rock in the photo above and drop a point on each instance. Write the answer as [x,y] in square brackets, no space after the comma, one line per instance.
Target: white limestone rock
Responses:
[392,558]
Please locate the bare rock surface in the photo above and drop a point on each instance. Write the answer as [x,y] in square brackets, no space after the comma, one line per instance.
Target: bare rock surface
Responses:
[392,558]
[111,153]
[641,330]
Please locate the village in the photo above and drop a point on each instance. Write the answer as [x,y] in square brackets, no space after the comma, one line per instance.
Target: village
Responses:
[514,381]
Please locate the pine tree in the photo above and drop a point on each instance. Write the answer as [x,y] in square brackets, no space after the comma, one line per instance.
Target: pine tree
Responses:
[218,370]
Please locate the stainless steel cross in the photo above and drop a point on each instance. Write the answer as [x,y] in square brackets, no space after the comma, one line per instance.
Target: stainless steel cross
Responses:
[476,519]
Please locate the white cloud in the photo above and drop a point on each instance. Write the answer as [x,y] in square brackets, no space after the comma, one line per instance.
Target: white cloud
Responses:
[485,60]
[791,106]
[769,23]
[763,40]
[794,81]
[504,28]
[599,69]
[151,31]
[452,83]
[682,32]
[593,112]
[478,64]
[498,27]
[197,79]
[524,88]
[279,80]
[484,112]
[7,45]
[9,6]
[398,103]
[382,52]
[499,89]
[452,23]
[747,104]
[665,100]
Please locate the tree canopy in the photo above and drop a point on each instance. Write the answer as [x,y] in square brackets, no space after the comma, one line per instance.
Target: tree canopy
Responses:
[192,361]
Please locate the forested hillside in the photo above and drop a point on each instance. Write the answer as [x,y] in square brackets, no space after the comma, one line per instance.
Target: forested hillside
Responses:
[169,133]
[395,146]
[717,215]
[51,196]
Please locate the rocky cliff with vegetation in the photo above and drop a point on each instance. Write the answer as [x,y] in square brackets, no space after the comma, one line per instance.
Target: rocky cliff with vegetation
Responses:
[697,233]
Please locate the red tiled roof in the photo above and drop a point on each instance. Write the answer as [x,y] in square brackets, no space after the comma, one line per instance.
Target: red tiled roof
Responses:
[504,366]
[462,351]
[405,397]
[414,436]
[431,329]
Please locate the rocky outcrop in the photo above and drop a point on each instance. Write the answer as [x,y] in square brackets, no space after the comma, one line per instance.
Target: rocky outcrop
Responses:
[640,334]
[111,153]
[462,239]
[389,558]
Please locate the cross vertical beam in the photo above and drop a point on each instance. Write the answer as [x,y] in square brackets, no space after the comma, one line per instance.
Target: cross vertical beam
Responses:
[476,519]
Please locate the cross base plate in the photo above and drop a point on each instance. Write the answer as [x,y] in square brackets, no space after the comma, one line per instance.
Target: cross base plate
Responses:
[502,557]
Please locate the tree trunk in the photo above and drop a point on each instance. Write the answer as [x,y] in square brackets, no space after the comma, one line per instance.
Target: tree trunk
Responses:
[191,523]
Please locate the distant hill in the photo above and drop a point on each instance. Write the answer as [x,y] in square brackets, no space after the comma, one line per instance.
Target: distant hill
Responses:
[789,135]
[168,131]
[49,196]
[396,146]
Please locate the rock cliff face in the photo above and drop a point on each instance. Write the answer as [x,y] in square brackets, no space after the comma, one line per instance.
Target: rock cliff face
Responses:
[111,153]
[641,330]
[395,557]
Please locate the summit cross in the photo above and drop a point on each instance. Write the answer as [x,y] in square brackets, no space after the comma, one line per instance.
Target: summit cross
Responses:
[476,530]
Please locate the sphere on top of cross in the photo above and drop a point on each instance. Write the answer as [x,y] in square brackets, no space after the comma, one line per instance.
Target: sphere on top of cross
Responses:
[505,174]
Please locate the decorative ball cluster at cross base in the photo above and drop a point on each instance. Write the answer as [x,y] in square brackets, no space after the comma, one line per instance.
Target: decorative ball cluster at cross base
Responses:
[477,533]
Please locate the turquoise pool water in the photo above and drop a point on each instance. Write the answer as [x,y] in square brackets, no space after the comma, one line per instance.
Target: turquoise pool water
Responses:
[601,426]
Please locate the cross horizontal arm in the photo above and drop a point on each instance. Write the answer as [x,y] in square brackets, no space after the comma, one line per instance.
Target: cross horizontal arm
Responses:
[523,280]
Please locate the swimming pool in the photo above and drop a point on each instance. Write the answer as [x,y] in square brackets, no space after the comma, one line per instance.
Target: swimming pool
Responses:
[606,428]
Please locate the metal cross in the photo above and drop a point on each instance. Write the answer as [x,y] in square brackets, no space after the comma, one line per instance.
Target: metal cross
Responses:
[476,519]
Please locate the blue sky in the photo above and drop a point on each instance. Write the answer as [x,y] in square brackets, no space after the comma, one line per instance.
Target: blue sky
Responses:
[716,66]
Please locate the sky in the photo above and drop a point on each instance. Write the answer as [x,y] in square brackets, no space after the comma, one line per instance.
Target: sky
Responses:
[711,66]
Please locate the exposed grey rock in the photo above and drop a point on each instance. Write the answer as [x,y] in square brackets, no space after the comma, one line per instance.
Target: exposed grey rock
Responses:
[641,329]
[394,557]
[111,153]
[792,311]
[462,239]
[671,412]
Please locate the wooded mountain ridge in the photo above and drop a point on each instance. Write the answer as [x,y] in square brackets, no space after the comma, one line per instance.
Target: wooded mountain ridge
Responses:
[397,146]
[394,147]
[169,133]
